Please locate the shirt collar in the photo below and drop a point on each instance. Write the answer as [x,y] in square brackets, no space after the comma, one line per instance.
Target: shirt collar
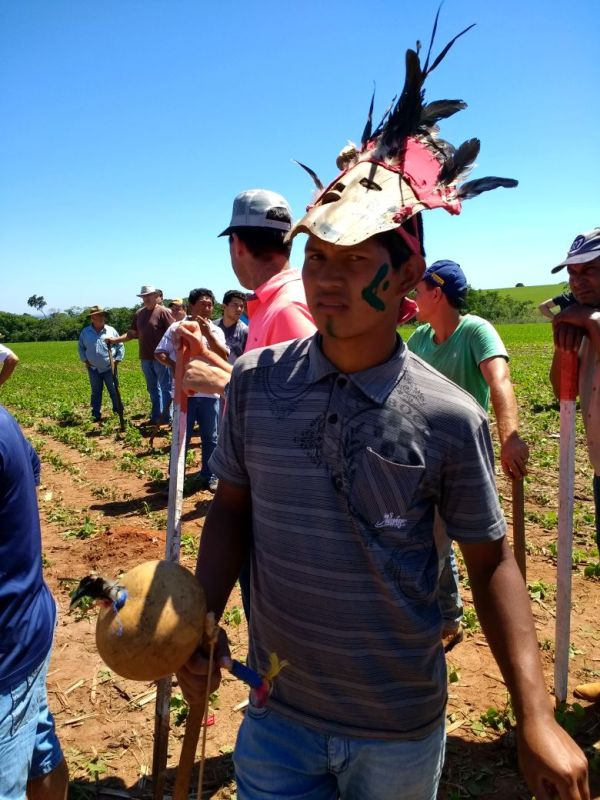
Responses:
[377,383]
[275,282]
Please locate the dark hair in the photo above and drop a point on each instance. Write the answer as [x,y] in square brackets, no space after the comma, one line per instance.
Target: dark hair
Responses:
[159,292]
[196,294]
[233,294]
[263,243]
[396,246]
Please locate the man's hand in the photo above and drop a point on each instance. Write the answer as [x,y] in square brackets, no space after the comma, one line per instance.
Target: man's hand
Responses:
[514,455]
[191,333]
[205,378]
[87,363]
[193,676]
[552,763]
[572,324]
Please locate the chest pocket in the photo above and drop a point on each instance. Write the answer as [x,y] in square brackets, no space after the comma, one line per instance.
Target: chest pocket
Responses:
[383,491]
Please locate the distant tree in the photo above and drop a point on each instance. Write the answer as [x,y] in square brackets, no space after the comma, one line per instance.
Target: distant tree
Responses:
[518,285]
[37,302]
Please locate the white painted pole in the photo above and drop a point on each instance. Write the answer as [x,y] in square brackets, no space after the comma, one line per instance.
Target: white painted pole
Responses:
[568,394]
[174,511]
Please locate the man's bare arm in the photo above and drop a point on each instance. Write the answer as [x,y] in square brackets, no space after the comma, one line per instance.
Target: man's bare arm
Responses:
[224,547]
[163,359]
[124,337]
[553,765]
[8,367]
[514,453]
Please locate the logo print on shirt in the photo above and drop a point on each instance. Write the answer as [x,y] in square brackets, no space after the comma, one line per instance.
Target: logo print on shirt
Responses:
[390,521]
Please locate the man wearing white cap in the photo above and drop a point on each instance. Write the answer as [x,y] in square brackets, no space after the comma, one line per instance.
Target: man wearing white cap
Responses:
[577,327]
[148,325]
[260,259]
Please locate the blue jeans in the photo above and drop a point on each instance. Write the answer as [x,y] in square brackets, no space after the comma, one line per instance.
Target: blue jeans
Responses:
[158,383]
[275,757]
[97,381]
[449,598]
[205,412]
[29,747]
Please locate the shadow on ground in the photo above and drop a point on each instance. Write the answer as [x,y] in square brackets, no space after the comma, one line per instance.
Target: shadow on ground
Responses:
[218,781]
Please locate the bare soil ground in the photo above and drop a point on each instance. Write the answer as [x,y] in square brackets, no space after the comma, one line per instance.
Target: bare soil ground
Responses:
[106,723]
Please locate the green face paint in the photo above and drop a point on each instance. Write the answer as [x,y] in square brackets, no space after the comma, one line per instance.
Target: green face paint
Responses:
[369,293]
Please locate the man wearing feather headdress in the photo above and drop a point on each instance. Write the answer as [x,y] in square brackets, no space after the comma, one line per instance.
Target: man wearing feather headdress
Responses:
[336,451]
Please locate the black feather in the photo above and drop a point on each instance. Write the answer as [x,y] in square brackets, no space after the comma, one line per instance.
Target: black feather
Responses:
[404,117]
[464,156]
[442,55]
[433,32]
[473,188]
[440,109]
[312,174]
[369,124]
[379,128]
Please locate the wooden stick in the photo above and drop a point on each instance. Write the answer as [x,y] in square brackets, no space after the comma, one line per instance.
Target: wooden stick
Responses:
[206,699]
[174,511]
[518,510]
[568,393]
[193,724]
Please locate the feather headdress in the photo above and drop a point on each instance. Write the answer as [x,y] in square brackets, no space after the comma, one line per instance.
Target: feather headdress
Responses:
[400,168]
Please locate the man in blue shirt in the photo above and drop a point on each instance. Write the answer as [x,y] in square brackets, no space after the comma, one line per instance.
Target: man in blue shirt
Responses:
[93,351]
[30,754]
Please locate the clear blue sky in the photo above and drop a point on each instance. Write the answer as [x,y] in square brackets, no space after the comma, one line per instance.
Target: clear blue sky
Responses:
[127,127]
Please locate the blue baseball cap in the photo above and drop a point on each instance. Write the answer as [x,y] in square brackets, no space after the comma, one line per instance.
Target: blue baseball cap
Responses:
[449,277]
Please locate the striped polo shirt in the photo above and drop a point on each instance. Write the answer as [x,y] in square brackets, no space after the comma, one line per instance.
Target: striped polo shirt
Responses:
[345,471]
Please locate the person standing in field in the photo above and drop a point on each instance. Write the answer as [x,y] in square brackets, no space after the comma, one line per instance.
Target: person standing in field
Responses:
[577,327]
[203,407]
[93,351]
[31,759]
[9,361]
[335,453]
[148,326]
[468,350]
[260,257]
[236,331]
[177,308]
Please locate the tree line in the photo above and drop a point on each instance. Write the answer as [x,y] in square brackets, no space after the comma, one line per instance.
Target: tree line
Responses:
[65,325]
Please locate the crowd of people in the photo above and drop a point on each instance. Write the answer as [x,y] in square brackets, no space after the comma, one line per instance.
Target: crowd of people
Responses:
[347,464]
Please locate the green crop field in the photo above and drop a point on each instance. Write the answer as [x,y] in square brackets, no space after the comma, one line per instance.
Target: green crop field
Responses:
[103,508]
[533,294]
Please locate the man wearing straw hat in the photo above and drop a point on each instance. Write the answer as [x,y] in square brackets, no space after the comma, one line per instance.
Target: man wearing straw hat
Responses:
[93,351]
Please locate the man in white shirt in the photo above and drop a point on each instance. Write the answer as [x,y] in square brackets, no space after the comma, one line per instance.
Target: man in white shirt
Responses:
[202,408]
[9,361]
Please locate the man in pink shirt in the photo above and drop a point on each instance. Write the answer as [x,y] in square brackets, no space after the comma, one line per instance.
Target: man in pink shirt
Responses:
[261,261]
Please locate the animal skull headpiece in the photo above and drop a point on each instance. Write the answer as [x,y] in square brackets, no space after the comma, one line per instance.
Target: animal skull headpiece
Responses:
[400,168]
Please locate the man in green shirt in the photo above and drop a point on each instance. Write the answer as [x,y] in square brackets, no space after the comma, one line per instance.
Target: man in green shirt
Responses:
[468,350]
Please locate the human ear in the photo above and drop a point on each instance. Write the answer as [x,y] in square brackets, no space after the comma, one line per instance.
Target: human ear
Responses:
[411,273]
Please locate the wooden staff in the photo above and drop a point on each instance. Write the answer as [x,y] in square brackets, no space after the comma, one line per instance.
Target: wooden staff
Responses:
[193,725]
[113,369]
[518,512]
[174,511]
[568,394]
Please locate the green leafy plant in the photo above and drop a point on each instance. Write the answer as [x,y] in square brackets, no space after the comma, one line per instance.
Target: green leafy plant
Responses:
[233,616]
[179,709]
[569,716]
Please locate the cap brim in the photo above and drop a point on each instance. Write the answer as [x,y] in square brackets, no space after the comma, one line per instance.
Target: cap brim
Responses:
[226,232]
[591,255]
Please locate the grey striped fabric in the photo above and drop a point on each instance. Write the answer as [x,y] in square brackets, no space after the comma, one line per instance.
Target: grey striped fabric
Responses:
[345,472]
